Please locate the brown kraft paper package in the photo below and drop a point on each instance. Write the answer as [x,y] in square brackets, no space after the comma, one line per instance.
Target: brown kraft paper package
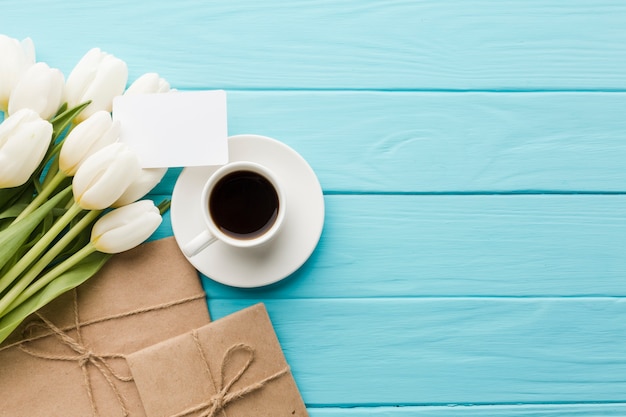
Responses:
[233,367]
[69,359]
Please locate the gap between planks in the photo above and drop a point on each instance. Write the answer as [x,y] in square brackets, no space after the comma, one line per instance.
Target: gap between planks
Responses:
[483,410]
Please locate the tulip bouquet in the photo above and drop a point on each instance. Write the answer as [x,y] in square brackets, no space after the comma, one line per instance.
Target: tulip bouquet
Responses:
[69,191]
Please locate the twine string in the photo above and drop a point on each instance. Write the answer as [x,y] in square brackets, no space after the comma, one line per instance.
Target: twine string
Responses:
[86,323]
[83,356]
[223,396]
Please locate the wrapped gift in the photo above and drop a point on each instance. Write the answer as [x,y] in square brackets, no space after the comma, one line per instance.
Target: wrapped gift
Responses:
[233,367]
[69,359]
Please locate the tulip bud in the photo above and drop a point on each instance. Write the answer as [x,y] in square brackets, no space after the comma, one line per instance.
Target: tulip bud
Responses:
[104,176]
[88,137]
[126,227]
[149,83]
[17,57]
[40,88]
[24,140]
[98,77]
[148,178]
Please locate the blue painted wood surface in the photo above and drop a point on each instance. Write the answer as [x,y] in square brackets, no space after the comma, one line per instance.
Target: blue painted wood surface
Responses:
[472,156]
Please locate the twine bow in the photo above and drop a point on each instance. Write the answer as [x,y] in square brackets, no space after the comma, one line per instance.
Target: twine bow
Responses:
[223,397]
[83,356]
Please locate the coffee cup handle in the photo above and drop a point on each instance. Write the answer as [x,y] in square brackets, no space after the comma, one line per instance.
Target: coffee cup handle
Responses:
[198,243]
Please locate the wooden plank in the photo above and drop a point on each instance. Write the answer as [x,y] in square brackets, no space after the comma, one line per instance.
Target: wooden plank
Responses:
[444,351]
[525,410]
[439,143]
[524,245]
[478,44]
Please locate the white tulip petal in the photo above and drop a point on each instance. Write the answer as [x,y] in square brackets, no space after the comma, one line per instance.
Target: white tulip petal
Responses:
[40,88]
[148,178]
[17,57]
[126,227]
[87,138]
[24,140]
[29,49]
[113,134]
[98,77]
[104,176]
[109,82]
[101,193]
[82,75]
[12,123]
[149,83]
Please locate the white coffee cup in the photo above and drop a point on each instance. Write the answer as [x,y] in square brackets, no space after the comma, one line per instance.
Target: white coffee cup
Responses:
[243,205]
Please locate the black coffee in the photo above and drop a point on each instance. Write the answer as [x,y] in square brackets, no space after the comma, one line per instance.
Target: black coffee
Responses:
[244,204]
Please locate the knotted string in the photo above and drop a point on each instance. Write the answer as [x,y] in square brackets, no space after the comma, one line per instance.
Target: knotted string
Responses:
[223,397]
[84,356]
[86,323]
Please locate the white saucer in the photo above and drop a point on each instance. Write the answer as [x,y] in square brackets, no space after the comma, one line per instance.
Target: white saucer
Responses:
[296,240]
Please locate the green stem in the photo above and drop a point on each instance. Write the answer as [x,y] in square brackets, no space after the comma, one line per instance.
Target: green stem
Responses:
[42,197]
[38,247]
[50,276]
[45,260]
[164,206]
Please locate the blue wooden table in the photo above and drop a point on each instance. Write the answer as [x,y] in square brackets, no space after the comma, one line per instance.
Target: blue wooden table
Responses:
[473,160]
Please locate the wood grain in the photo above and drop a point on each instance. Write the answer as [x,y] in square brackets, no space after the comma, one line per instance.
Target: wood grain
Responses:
[516,246]
[442,143]
[345,44]
[472,158]
[442,351]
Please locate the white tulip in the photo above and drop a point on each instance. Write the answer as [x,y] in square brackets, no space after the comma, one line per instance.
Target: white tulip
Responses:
[24,140]
[40,88]
[17,57]
[126,227]
[148,178]
[104,176]
[88,137]
[149,83]
[98,77]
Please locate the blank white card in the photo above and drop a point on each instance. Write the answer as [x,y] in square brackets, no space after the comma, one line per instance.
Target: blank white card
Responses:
[175,129]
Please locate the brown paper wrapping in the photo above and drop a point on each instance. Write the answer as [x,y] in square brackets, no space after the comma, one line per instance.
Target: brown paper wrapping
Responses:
[187,375]
[139,298]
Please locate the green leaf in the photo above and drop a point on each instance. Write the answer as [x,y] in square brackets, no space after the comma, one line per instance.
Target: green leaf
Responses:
[61,109]
[7,217]
[13,237]
[78,243]
[7,195]
[13,211]
[80,273]
[63,120]
[11,196]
